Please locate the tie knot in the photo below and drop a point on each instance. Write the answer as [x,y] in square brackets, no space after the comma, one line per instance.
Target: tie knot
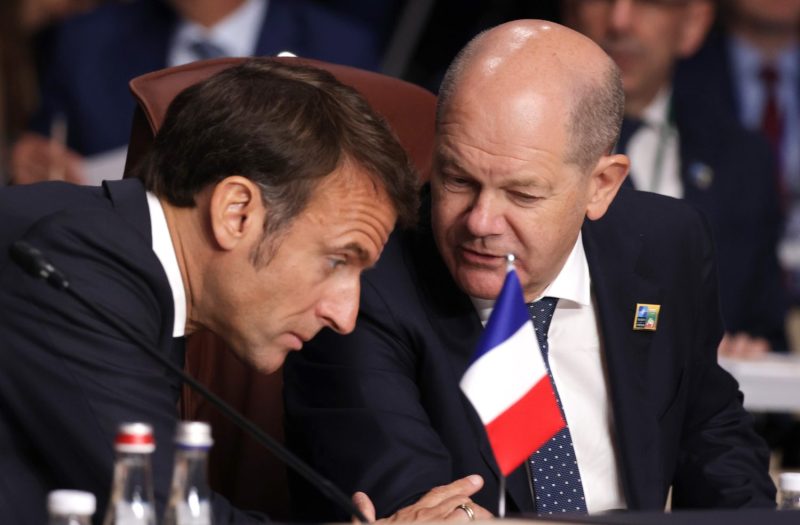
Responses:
[205,49]
[541,313]
[768,75]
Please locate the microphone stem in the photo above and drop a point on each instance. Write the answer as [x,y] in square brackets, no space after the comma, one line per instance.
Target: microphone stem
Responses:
[299,466]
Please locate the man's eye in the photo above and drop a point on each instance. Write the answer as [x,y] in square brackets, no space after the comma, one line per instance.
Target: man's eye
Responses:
[336,262]
[523,198]
[456,182]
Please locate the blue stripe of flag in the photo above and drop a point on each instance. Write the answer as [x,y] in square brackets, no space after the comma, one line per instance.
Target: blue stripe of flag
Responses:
[508,315]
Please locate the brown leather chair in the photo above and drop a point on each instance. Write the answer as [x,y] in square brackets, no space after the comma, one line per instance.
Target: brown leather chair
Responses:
[240,469]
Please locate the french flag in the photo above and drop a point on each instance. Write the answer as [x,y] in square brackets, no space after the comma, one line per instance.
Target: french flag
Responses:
[507,382]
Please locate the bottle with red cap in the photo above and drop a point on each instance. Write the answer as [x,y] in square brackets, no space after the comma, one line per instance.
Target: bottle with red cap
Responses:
[190,496]
[132,501]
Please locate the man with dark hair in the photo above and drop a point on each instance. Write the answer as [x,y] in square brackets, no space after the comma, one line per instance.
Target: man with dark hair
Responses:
[522,167]
[269,189]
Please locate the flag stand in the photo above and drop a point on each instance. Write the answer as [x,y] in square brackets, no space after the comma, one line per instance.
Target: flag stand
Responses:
[501,505]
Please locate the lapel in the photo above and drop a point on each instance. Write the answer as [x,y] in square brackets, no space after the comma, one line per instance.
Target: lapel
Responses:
[695,147]
[128,198]
[618,268]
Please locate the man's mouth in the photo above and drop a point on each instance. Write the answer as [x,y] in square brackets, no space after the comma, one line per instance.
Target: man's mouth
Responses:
[481,258]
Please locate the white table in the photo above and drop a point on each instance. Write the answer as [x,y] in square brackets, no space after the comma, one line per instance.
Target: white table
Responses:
[770,384]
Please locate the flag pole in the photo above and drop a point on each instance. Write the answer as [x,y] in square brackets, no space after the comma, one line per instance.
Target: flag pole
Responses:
[510,258]
[501,505]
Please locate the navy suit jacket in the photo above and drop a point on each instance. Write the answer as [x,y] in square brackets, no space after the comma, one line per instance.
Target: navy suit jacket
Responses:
[380,410]
[727,172]
[68,378]
[95,55]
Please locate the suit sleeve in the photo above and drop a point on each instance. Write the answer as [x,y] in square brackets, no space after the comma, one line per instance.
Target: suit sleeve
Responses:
[722,462]
[69,378]
[354,411]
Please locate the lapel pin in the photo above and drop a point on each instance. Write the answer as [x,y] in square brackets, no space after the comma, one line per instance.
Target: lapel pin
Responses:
[701,175]
[646,317]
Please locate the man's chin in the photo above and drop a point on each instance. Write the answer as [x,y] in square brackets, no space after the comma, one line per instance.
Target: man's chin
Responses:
[265,360]
[482,284]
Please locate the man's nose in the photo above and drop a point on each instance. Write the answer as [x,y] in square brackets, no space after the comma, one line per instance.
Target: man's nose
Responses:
[485,216]
[621,15]
[339,307]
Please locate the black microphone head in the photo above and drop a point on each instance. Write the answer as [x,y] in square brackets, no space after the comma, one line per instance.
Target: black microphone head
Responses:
[34,263]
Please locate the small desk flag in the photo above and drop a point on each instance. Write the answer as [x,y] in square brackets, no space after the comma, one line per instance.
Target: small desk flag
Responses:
[507,382]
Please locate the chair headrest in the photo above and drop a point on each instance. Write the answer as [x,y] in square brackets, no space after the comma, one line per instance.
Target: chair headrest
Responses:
[409,109]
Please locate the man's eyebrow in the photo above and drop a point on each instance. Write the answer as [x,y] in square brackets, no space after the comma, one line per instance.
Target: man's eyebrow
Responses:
[357,250]
[524,182]
[446,161]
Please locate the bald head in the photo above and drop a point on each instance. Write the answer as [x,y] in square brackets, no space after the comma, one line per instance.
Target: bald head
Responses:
[526,68]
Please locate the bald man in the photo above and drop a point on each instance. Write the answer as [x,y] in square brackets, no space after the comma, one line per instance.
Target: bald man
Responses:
[528,117]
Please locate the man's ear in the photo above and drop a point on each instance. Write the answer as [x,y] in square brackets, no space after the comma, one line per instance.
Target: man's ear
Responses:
[694,27]
[236,211]
[606,179]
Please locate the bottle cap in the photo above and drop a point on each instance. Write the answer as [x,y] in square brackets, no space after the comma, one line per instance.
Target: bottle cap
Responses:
[71,502]
[136,438]
[193,434]
[790,481]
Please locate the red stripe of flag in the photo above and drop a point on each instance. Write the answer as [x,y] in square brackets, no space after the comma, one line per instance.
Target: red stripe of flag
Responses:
[525,426]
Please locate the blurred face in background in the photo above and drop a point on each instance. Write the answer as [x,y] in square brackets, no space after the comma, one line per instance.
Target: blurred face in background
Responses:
[35,14]
[767,15]
[644,37]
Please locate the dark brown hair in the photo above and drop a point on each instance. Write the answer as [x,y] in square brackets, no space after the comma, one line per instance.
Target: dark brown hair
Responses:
[283,126]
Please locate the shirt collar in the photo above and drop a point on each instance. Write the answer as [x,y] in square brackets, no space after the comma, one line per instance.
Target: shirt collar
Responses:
[162,246]
[237,34]
[748,60]
[657,112]
[573,284]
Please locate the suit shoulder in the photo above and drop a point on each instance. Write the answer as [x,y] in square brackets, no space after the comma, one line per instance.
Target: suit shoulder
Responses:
[635,207]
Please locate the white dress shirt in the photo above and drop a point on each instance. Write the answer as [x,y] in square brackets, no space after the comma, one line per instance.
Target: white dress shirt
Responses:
[162,246]
[654,150]
[237,34]
[577,364]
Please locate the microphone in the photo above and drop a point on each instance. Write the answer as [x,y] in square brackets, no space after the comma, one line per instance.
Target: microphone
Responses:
[33,261]
[36,264]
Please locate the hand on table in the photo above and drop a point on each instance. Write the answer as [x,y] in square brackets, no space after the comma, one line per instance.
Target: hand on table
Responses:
[444,503]
[35,158]
[742,346]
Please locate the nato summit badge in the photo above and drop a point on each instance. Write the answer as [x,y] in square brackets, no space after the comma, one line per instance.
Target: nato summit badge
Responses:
[646,316]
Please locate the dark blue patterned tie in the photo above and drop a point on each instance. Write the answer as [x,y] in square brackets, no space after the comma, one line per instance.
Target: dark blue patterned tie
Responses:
[554,471]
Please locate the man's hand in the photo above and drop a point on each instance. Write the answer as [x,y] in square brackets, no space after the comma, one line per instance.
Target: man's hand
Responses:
[440,504]
[35,158]
[742,346]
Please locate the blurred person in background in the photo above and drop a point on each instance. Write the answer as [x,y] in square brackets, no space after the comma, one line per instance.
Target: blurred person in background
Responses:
[685,146]
[86,106]
[23,27]
[750,64]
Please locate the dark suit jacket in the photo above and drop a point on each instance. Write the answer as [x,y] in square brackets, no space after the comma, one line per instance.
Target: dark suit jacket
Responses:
[94,56]
[727,172]
[380,410]
[68,378]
